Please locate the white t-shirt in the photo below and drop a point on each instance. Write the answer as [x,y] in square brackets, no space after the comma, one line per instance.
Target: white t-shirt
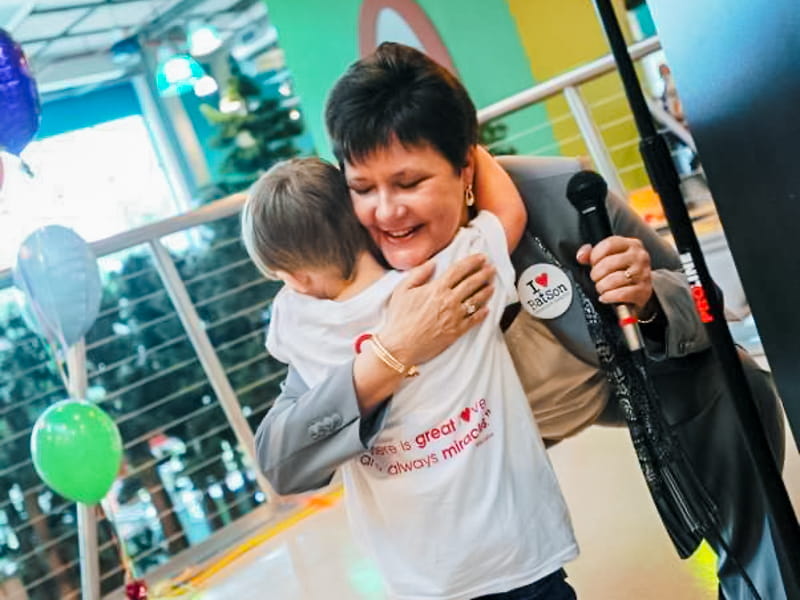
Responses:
[457,497]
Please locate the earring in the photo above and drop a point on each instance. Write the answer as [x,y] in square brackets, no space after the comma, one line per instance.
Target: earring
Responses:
[469,197]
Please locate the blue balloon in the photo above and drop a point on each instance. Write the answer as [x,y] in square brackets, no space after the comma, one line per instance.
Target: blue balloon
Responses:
[20,110]
[57,271]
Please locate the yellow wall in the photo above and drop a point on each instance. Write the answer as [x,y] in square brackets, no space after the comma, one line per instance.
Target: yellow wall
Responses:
[561,35]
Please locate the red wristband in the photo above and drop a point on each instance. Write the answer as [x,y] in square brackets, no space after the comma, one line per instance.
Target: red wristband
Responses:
[360,340]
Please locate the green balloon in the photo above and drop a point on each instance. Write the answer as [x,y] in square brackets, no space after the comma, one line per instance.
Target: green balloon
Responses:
[76,449]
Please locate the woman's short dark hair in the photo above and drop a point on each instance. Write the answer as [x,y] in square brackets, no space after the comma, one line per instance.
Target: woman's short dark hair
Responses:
[299,215]
[398,92]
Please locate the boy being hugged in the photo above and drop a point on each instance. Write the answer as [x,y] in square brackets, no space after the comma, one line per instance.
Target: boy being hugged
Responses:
[454,497]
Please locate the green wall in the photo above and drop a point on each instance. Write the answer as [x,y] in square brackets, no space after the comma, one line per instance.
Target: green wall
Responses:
[320,39]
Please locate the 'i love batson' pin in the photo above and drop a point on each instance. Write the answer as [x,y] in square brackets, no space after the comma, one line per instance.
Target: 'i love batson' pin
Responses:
[545,291]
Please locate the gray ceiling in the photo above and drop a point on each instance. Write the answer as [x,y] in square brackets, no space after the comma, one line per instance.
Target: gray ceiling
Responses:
[68,42]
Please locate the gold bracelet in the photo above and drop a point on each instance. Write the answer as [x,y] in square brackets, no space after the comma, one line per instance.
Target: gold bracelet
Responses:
[389,360]
[649,319]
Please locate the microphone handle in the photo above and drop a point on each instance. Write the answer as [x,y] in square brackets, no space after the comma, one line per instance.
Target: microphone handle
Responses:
[597,227]
[596,224]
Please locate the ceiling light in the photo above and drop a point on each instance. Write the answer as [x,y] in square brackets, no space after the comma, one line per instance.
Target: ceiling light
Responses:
[177,74]
[205,86]
[203,40]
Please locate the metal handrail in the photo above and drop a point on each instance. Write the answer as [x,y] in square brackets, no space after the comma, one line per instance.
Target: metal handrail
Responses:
[185,311]
[131,472]
[213,211]
[567,84]
[558,84]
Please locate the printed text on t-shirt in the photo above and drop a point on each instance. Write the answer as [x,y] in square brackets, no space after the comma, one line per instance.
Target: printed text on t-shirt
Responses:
[444,442]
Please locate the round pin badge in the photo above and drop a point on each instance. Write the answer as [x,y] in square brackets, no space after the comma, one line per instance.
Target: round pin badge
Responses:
[545,291]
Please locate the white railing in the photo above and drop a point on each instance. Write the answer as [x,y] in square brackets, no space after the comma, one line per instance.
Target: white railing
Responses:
[613,162]
[229,372]
[154,231]
[558,84]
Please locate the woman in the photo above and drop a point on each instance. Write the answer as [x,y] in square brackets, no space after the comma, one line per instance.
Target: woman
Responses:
[417,500]
[381,115]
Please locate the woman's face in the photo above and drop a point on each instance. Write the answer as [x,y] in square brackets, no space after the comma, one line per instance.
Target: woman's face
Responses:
[410,199]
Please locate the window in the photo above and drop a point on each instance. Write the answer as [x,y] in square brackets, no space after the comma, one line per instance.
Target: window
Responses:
[99,181]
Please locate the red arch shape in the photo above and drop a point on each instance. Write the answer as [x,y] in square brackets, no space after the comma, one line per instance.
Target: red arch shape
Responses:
[416,19]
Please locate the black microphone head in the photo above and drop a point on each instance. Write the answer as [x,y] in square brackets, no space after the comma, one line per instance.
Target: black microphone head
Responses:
[585,189]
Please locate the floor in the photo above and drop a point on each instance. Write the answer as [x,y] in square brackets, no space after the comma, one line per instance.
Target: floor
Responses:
[625,553]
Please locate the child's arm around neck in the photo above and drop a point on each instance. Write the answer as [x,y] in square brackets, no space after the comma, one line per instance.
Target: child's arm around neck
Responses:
[495,192]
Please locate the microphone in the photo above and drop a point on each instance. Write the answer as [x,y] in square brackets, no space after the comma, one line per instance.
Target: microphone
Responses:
[587,192]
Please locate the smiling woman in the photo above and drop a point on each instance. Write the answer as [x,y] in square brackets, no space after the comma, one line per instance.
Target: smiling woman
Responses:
[410,200]
[417,446]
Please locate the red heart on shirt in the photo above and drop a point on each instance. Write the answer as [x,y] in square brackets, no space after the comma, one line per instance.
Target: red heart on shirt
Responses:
[466,414]
[541,279]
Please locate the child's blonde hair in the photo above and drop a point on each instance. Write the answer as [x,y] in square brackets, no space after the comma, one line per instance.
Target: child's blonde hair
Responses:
[299,215]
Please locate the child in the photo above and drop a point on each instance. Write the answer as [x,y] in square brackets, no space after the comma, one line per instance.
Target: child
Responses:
[455,498]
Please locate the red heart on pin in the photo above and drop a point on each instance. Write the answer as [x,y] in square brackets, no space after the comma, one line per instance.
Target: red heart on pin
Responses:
[541,279]
[466,414]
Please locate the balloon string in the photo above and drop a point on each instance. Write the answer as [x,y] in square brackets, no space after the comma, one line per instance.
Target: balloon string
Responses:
[62,342]
[60,366]
[47,326]
[25,168]
[50,344]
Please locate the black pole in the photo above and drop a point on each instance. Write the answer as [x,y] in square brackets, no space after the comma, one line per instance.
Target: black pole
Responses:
[665,181]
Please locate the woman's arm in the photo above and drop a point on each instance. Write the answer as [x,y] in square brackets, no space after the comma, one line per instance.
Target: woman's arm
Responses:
[424,319]
[309,432]
[658,288]
[677,330]
[495,192]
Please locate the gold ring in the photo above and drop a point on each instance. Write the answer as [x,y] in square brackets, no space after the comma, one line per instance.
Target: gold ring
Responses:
[628,275]
[470,307]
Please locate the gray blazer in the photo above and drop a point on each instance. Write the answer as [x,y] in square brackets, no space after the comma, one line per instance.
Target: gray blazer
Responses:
[308,433]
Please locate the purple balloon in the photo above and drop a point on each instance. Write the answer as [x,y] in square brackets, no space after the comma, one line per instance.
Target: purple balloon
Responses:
[19,100]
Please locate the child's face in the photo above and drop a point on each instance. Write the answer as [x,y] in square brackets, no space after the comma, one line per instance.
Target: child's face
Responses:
[325,283]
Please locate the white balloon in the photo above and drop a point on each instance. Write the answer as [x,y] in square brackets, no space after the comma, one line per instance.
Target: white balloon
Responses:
[57,271]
